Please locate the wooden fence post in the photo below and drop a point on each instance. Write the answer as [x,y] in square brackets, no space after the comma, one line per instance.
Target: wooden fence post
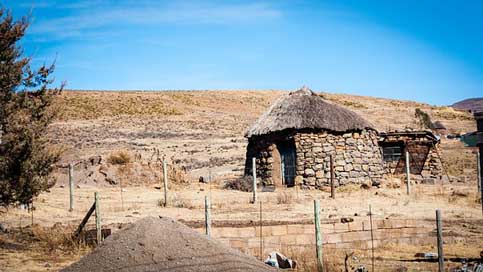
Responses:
[439,226]
[71,187]
[254,170]
[165,179]
[332,177]
[318,237]
[408,174]
[98,218]
[372,237]
[478,168]
[261,233]
[207,216]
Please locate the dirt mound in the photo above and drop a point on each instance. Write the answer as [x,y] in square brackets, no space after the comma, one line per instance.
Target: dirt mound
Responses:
[162,244]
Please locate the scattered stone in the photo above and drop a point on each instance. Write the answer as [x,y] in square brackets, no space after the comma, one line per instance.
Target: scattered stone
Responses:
[346,219]
[3,228]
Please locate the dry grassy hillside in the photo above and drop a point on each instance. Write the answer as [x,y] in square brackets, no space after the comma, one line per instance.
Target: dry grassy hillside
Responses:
[201,129]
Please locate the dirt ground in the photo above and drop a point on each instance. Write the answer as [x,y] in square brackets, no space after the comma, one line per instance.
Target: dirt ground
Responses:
[186,203]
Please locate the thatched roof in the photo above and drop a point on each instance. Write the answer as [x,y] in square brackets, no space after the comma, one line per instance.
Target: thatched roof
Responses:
[303,109]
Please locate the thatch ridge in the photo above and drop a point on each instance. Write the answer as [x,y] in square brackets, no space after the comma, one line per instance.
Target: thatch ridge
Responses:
[303,109]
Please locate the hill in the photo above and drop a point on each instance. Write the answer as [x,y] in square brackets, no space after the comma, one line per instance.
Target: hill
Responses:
[201,129]
[470,104]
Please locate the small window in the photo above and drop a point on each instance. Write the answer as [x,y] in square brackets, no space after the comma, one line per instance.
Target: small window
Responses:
[391,153]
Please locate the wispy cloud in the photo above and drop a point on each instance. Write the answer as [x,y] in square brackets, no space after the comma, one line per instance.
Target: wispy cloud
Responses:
[87,19]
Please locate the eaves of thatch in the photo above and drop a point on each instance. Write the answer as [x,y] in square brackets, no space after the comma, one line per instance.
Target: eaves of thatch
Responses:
[303,109]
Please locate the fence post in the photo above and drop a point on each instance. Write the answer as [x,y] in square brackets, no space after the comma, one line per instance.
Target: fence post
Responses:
[254,170]
[71,187]
[332,177]
[261,233]
[408,174]
[372,237]
[439,226]
[98,218]
[478,167]
[165,179]
[207,217]
[318,236]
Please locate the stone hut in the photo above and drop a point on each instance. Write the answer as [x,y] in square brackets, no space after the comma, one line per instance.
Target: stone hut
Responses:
[293,141]
[422,147]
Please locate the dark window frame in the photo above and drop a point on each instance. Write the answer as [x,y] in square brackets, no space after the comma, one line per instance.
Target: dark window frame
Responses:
[392,152]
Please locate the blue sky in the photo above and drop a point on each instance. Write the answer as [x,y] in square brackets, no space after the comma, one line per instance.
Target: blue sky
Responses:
[429,51]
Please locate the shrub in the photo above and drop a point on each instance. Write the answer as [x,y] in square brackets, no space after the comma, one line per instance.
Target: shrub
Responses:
[241,184]
[120,157]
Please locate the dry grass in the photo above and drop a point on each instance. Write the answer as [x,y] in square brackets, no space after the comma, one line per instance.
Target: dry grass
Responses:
[284,197]
[120,157]
[40,248]
[177,202]
[243,183]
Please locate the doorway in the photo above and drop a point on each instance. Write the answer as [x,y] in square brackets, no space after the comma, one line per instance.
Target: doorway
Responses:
[287,156]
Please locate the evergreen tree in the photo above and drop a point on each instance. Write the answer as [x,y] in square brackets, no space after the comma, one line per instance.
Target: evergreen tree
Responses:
[26,158]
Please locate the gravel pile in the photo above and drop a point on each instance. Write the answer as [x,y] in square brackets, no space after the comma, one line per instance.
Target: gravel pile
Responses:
[162,244]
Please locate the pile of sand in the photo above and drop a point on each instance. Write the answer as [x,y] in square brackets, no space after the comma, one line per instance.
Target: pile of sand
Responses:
[162,244]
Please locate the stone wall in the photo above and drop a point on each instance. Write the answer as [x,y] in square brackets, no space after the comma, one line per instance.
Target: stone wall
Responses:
[357,157]
[433,167]
[263,148]
[334,235]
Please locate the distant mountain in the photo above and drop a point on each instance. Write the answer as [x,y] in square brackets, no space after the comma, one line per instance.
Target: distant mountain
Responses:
[470,104]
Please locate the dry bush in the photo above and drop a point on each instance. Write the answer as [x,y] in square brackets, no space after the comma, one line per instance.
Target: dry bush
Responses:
[284,198]
[58,238]
[241,184]
[120,157]
[177,202]
[177,175]
[303,256]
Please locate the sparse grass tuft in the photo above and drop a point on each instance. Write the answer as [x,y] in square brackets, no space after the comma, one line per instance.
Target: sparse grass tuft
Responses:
[241,184]
[120,157]
[284,198]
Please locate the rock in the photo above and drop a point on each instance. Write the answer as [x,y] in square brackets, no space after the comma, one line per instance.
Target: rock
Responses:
[299,180]
[428,181]
[376,183]
[365,186]
[309,172]
[346,219]
[3,228]
[317,149]
[348,167]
